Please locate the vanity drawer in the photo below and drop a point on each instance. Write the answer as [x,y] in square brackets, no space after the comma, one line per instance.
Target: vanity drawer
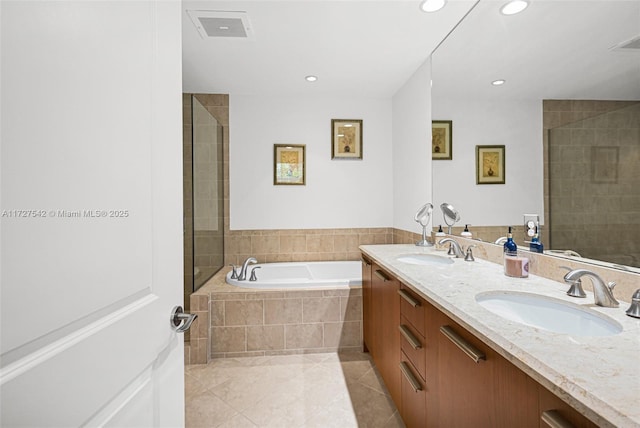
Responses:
[412,344]
[412,308]
[413,407]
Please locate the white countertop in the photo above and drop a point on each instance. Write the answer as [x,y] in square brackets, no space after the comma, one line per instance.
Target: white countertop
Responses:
[599,376]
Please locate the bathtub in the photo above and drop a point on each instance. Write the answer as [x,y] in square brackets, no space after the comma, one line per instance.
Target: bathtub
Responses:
[303,275]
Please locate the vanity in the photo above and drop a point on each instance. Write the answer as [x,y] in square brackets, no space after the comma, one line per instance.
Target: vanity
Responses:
[448,360]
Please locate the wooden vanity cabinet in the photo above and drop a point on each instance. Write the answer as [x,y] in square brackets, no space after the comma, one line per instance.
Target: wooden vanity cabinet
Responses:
[385,317]
[439,374]
[367,326]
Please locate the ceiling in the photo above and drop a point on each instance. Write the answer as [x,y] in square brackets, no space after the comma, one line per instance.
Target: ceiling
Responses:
[355,47]
[553,50]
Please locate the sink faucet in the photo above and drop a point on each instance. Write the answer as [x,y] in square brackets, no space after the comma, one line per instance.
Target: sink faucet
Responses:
[602,293]
[243,272]
[453,244]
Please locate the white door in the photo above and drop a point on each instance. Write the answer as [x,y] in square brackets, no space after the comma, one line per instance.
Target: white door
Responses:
[91,205]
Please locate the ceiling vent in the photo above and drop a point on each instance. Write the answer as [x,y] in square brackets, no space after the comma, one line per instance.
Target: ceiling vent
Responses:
[216,23]
[632,45]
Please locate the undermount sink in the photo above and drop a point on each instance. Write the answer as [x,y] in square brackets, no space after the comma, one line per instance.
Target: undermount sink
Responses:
[424,259]
[549,314]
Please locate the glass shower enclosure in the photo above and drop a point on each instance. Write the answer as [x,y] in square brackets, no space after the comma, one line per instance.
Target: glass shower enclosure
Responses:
[203,195]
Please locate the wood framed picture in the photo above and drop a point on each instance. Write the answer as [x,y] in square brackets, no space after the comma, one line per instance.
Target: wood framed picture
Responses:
[441,140]
[289,164]
[490,165]
[346,139]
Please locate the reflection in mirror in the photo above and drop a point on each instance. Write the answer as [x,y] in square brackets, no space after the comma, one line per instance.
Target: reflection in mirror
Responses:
[571,92]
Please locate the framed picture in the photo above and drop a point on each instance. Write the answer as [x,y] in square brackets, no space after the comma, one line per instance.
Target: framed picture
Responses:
[490,165]
[441,140]
[604,164]
[346,139]
[289,164]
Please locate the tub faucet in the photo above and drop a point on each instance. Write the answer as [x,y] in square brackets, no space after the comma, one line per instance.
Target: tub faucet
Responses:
[243,272]
[453,245]
[602,293]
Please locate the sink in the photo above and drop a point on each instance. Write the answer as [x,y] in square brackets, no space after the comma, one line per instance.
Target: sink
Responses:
[424,259]
[549,314]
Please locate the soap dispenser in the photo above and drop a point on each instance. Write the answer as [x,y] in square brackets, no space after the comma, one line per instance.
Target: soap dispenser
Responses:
[465,233]
[438,236]
[535,246]
[510,247]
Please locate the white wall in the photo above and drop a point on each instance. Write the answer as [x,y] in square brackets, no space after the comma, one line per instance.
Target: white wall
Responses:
[412,148]
[515,124]
[338,193]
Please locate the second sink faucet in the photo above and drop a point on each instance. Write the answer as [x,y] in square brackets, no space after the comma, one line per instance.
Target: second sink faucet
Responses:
[457,249]
[242,276]
[602,292]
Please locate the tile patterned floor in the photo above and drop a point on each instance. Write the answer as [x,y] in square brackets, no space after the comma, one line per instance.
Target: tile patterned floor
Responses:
[308,390]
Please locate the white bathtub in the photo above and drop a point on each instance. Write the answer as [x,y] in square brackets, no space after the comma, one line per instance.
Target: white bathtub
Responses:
[302,275]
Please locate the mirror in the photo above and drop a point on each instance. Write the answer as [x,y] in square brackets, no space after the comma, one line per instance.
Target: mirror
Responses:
[568,108]
[422,217]
[450,214]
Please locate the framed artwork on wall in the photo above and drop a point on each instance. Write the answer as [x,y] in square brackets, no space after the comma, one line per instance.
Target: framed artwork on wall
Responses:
[289,164]
[441,140]
[346,139]
[490,165]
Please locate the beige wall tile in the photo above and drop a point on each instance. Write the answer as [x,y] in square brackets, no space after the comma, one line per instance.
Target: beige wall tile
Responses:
[217,313]
[283,311]
[228,339]
[198,351]
[337,335]
[320,309]
[243,312]
[351,308]
[299,336]
[262,338]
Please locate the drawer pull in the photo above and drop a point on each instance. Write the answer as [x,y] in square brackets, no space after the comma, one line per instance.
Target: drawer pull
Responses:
[365,262]
[406,371]
[553,419]
[406,296]
[413,341]
[381,275]
[465,346]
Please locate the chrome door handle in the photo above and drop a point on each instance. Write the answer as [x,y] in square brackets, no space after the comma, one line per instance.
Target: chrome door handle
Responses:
[180,321]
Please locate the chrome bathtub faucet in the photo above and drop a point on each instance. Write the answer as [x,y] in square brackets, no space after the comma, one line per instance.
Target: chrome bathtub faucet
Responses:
[242,276]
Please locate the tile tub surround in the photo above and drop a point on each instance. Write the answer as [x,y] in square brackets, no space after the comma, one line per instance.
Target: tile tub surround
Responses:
[238,322]
[596,375]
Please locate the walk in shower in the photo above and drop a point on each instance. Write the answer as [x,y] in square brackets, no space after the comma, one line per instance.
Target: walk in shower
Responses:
[594,184]
[203,193]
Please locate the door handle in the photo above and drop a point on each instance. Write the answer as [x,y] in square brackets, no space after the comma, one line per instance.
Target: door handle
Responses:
[180,321]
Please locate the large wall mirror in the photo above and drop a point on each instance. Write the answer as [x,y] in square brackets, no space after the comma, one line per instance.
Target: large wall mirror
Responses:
[568,114]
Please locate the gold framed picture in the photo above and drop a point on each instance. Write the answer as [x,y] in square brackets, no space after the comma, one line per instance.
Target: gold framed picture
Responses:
[441,140]
[346,139]
[490,165]
[289,164]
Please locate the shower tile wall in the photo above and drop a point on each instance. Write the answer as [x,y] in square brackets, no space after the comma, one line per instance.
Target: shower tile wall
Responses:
[187,188]
[593,156]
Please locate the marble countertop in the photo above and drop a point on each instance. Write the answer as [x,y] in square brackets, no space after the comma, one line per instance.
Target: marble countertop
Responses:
[599,376]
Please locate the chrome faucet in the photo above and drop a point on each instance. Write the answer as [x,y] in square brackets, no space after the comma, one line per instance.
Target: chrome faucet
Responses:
[602,293]
[453,245]
[501,240]
[243,272]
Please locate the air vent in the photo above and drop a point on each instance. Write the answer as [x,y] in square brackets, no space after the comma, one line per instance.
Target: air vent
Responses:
[632,45]
[216,23]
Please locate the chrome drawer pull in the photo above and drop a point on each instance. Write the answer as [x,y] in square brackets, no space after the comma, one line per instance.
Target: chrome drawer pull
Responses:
[413,341]
[406,371]
[554,420]
[406,296]
[465,346]
[381,275]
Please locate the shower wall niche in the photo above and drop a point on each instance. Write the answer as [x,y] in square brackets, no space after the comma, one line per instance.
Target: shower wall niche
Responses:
[203,192]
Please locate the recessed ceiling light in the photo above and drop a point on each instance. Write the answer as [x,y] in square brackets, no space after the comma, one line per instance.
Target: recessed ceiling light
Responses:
[311,78]
[347,125]
[513,7]
[498,82]
[432,5]
[223,27]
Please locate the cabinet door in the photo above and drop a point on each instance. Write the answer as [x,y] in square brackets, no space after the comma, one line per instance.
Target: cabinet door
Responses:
[465,379]
[386,336]
[366,305]
[413,409]
[553,412]
[516,396]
